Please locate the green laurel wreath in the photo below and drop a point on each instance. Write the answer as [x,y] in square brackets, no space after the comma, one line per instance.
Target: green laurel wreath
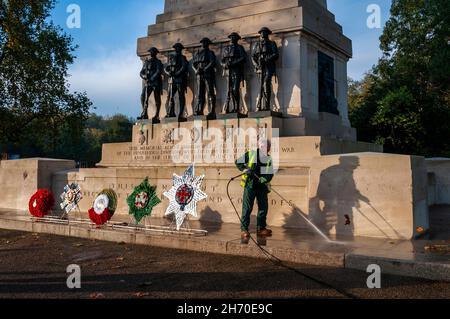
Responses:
[153,200]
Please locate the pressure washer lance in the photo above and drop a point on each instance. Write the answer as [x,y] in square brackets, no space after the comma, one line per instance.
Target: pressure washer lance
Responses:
[295,209]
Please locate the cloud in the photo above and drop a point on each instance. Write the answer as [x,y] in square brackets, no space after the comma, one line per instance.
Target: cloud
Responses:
[111,81]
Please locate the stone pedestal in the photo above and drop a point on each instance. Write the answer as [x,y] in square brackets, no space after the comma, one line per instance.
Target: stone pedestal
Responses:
[264,114]
[231,116]
[20,179]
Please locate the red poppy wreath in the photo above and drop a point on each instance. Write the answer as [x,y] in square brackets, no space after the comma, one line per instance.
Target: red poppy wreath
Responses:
[41,203]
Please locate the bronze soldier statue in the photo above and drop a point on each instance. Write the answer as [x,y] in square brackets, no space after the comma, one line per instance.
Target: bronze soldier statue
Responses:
[265,55]
[177,70]
[233,60]
[204,64]
[152,75]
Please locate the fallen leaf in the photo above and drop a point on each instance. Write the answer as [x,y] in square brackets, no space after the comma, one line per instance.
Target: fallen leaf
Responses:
[120,259]
[97,296]
[440,248]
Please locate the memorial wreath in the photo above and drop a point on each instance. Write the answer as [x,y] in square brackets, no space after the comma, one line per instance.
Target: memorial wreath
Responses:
[104,207]
[41,203]
[71,197]
[142,201]
[184,195]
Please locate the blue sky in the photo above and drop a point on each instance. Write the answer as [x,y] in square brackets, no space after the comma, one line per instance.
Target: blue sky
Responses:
[107,67]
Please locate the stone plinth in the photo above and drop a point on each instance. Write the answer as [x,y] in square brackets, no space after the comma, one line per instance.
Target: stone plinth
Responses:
[206,143]
[217,208]
[379,195]
[20,179]
[302,29]
[372,195]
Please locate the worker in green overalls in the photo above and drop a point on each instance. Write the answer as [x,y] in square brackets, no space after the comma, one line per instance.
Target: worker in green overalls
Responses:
[258,169]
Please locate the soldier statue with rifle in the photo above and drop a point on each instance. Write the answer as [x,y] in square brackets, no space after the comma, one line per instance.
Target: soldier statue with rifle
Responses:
[233,60]
[264,57]
[151,73]
[204,64]
[177,71]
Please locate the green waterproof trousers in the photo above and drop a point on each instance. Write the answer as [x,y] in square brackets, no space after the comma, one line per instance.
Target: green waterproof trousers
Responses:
[261,196]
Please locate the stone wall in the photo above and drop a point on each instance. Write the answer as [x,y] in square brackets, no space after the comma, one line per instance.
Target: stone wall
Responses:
[377,195]
[217,208]
[20,179]
[439,181]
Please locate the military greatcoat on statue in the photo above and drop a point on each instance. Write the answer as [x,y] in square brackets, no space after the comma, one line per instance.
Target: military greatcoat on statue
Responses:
[204,64]
[177,71]
[151,73]
[264,57]
[233,60]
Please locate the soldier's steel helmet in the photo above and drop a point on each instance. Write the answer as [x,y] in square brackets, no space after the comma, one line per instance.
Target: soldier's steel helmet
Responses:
[265,29]
[178,45]
[235,34]
[206,40]
[153,50]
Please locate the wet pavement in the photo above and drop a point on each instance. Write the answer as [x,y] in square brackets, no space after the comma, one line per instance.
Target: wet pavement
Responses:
[404,257]
[34,266]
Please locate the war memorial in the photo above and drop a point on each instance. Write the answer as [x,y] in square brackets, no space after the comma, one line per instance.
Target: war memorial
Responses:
[219,76]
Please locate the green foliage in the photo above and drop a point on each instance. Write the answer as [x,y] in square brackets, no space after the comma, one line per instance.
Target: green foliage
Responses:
[404,102]
[99,130]
[398,125]
[38,114]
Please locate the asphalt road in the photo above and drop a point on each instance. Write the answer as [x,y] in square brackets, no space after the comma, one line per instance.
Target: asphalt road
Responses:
[34,266]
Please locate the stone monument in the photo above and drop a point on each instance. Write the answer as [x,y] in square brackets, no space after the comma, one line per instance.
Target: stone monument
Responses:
[345,187]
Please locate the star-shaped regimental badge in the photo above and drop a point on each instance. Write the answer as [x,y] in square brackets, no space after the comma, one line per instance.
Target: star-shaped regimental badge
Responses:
[184,196]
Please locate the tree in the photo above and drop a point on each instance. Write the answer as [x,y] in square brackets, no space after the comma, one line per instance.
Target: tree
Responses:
[404,102]
[36,106]
[100,130]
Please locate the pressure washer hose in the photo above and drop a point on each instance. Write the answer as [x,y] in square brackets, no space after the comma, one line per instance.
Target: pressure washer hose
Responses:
[274,259]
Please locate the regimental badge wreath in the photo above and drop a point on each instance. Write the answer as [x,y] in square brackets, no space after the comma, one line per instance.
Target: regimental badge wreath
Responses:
[41,203]
[142,201]
[71,197]
[104,207]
